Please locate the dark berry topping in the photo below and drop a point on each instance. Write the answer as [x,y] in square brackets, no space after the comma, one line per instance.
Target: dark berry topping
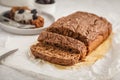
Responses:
[52,1]
[40,1]
[45,1]
[35,17]
[34,11]
[21,11]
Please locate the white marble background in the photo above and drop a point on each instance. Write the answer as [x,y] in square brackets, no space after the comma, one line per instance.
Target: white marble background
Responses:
[107,8]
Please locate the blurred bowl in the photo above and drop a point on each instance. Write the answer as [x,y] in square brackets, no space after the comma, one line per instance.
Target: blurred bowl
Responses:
[49,8]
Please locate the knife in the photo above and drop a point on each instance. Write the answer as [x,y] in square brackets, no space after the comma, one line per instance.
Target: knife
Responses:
[32,74]
[7,54]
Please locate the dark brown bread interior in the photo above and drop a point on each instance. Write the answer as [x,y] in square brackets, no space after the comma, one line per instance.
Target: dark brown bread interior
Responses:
[55,55]
[64,42]
[86,27]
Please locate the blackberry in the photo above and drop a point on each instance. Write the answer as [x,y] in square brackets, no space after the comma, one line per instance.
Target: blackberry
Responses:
[52,1]
[47,1]
[21,11]
[40,1]
[35,17]
[34,11]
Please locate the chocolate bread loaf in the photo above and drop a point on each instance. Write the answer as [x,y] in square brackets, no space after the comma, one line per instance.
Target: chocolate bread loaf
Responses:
[89,28]
[70,39]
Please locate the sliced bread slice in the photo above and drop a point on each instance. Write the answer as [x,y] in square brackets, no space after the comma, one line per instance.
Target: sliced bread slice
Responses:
[55,55]
[64,42]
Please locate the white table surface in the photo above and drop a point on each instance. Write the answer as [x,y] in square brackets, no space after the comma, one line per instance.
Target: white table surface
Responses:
[106,8]
[103,8]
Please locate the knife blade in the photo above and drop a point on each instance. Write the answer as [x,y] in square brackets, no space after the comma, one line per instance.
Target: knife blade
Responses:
[7,54]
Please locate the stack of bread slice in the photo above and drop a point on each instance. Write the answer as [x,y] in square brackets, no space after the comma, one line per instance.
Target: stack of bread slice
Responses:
[70,39]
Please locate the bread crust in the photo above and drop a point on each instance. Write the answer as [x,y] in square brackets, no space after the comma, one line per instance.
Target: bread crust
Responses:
[89,29]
